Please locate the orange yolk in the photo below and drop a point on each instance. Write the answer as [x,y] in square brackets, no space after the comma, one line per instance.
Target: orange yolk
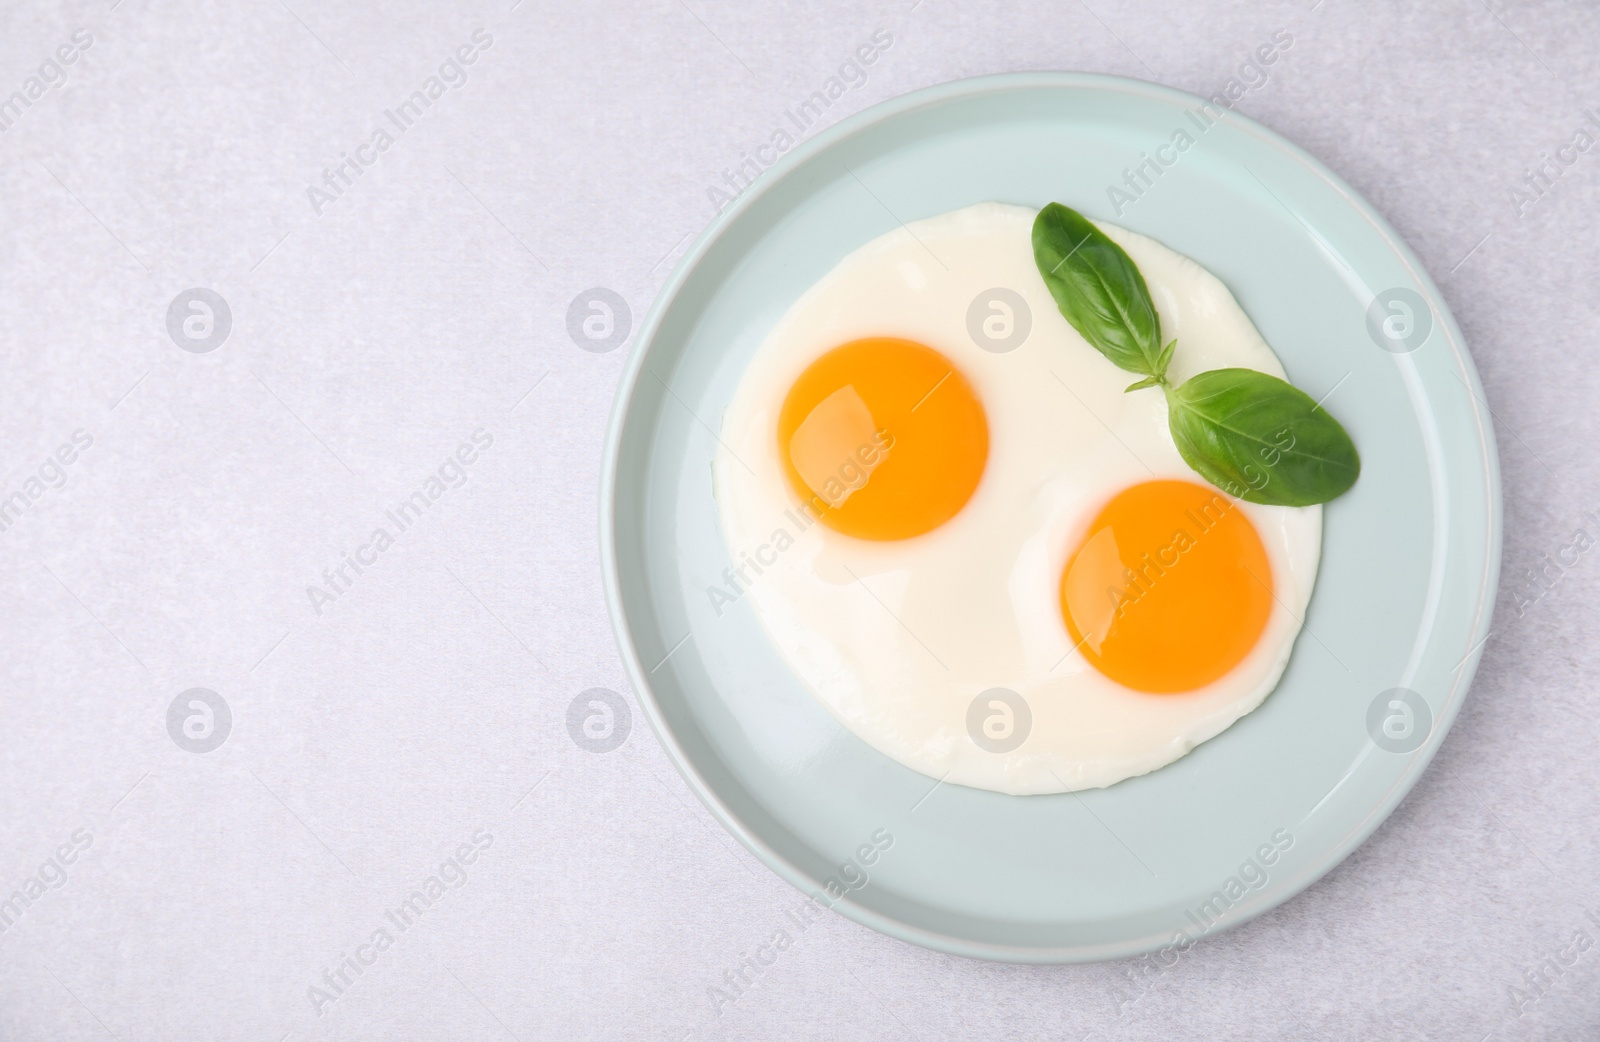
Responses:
[883,438]
[1170,588]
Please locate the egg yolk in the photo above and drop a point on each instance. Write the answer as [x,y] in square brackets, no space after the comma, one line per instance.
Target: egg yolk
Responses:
[1170,588]
[883,438]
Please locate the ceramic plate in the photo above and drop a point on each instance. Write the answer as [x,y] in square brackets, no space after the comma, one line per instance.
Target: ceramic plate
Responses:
[1250,818]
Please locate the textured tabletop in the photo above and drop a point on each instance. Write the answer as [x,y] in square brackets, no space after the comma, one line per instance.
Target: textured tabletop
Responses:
[299,455]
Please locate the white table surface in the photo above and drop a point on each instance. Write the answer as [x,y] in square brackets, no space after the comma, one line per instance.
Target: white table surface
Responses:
[208,893]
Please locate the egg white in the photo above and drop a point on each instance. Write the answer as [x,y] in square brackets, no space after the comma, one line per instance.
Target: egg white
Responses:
[897,639]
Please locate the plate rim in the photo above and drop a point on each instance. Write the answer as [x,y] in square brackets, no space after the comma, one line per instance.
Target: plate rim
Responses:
[622,408]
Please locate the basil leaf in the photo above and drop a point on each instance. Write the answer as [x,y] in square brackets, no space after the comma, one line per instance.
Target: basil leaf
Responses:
[1099,290]
[1260,439]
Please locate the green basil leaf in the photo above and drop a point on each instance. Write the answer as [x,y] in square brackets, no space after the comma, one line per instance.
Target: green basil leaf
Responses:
[1099,290]
[1260,439]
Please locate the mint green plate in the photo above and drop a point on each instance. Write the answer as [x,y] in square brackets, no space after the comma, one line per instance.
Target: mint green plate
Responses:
[1410,556]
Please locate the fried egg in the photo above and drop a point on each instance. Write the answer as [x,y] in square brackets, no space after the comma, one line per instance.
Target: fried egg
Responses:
[981,556]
